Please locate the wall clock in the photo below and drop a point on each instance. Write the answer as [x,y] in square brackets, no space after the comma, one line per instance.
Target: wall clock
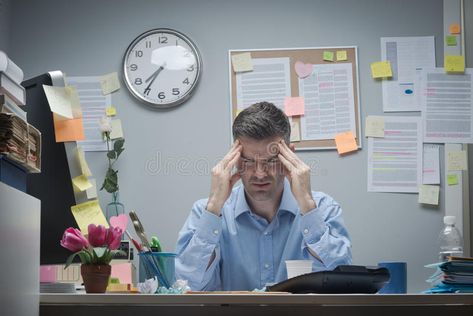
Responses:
[162,68]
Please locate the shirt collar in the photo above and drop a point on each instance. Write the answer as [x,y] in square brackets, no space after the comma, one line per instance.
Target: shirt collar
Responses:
[288,202]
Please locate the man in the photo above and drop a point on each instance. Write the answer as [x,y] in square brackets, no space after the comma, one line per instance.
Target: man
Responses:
[239,239]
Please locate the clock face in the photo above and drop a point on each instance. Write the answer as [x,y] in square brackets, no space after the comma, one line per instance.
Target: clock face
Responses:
[162,68]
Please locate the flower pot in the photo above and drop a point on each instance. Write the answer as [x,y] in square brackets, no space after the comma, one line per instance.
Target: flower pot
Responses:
[95,277]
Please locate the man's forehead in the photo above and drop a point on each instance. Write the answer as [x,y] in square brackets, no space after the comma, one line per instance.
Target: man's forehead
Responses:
[260,149]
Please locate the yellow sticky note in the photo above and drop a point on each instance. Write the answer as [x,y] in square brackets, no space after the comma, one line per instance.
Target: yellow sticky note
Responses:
[294,106]
[374,126]
[295,132]
[381,69]
[82,162]
[452,179]
[88,213]
[454,63]
[81,183]
[109,83]
[454,28]
[341,55]
[92,191]
[429,194]
[456,160]
[110,111]
[451,40]
[328,56]
[117,131]
[59,101]
[345,142]
[73,97]
[242,62]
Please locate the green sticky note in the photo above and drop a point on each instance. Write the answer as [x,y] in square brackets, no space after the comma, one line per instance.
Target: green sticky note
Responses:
[451,40]
[328,56]
[452,179]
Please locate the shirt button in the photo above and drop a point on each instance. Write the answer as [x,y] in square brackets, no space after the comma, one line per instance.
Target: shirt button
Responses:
[216,232]
[266,266]
[306,231]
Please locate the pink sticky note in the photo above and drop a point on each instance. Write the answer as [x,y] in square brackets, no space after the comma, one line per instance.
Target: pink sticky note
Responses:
[123,272]
[294,106]
[119,221]
[47,274]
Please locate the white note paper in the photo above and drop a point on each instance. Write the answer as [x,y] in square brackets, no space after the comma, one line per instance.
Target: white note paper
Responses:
[431,164]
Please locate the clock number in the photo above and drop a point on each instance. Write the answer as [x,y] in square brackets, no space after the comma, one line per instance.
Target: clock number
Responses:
[147,91]
[148,44]
[163,40]
[186,81]
[138,81]
[191,68]
[133,67]
[175,91]
[139,53]
[161,95]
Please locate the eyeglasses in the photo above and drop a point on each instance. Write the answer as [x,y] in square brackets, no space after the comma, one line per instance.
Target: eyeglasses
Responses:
[266,163]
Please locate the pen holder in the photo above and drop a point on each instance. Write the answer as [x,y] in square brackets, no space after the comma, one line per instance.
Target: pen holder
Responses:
[158,264]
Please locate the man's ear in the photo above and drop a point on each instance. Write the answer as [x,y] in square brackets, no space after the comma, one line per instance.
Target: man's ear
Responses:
[293,148]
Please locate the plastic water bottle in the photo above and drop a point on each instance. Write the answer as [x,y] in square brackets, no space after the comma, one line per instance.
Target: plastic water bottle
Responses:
[450,240]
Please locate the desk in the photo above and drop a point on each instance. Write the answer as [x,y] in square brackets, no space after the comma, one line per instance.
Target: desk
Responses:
[256,304]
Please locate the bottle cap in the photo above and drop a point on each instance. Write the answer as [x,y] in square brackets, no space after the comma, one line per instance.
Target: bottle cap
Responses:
[449,220]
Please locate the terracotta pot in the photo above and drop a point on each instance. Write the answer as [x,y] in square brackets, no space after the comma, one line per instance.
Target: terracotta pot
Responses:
[95,277]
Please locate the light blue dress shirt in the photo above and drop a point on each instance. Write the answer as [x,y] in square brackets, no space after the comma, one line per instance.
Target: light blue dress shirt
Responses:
[250,252]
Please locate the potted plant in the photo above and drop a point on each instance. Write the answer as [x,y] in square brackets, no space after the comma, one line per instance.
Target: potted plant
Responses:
[95,252]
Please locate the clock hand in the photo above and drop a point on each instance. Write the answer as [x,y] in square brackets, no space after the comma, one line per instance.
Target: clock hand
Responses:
[152,78]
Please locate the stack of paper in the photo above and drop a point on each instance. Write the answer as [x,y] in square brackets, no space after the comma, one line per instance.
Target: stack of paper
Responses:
[453,276]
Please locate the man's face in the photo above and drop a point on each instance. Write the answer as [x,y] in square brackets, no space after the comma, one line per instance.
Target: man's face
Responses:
[260,169]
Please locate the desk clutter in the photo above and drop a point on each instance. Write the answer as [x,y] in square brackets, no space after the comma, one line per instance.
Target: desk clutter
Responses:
[452,276]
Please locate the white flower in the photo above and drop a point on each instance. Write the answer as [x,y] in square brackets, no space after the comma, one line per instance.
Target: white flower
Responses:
[105,124]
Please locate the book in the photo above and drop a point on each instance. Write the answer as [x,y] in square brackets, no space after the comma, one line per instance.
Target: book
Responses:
[12,89]
[8,106]
[8,67]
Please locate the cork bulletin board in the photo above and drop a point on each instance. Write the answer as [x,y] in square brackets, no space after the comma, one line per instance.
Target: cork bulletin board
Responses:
[313,56]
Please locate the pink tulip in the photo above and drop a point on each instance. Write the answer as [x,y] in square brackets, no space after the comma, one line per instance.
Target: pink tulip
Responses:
[73,240]
[114,236]
[97,235]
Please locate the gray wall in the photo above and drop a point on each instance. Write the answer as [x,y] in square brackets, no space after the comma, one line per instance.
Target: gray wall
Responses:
[469,63]
[90,37]
[5,10]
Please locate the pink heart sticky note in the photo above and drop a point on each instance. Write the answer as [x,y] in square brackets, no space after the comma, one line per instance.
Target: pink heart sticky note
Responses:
[119,221]
[303,70]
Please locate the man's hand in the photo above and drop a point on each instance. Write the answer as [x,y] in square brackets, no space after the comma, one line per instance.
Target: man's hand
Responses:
[298,174]
[223,180]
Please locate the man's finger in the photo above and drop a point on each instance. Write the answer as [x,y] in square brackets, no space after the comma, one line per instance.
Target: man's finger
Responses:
[233,161]
[287,164]
[231,155]
[289,155]
[235,177]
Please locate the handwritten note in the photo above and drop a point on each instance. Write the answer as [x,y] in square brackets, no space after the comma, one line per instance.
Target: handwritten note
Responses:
[68,130]
[341,55]
[456,160]
[381,69]
[429,194]
[84,167]
[451,40]
[59,101]
[242,62]
[374,126]
[81,183]
[454,28]
[294,106]
[109,83]
[452,179]
[88,213]
[345,142]
[295,132]
[328,56]
[454,63]
[117,131]
[110,111]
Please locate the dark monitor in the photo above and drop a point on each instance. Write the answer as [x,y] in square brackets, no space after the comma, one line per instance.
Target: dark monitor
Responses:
[53,185]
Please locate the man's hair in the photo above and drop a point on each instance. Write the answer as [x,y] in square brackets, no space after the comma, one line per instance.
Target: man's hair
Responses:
[261,121]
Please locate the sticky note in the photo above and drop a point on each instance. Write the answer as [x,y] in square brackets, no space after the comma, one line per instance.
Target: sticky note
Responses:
[73,97]
[454,63]
[59,101]
[303,70]
[294,106]
[374,126]
[88,213]
[117,131]
[242,62]
[328,56]
[381,69]
[295,132]
[345,142]
[81,183]
[122,271]
[68,130]
[456,160]
[454,28]
[451,40]
[109,83]
[92,191]
[452,179]
[341,55]
[429,194]
[110,111]
[84,167]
